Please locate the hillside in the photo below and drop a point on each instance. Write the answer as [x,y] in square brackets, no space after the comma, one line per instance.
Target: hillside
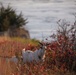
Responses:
[16,32]
[53,64]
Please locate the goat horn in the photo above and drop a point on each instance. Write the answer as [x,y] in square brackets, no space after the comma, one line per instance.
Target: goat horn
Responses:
[40,43]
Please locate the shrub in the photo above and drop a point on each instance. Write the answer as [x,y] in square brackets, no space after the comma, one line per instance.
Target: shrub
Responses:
[9,18]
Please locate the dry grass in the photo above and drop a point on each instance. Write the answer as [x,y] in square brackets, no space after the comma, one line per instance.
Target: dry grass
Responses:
[9,47]
[9,68]
[3,39]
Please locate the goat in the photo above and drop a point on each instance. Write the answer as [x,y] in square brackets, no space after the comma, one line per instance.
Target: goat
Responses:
[30,56]
[14,59]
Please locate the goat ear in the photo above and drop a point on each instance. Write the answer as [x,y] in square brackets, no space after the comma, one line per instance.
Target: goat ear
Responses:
[23,50]
[45,47]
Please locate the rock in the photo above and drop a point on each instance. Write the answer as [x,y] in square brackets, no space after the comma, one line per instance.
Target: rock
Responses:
[19,32]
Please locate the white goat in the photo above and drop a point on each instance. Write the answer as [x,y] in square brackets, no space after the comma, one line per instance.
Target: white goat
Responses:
[14,59]
[30,56]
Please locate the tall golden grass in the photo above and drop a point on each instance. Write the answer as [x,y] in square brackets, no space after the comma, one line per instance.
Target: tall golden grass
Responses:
[11,46]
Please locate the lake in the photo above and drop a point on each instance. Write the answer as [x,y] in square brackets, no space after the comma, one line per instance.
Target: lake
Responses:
[43,15]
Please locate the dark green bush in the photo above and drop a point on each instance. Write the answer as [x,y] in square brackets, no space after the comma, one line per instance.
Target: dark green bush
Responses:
[9,18]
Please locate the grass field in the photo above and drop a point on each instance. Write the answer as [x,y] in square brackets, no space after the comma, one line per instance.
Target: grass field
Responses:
[12,46]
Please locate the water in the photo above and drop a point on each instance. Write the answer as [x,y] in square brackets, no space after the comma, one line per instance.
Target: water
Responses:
[43,15]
